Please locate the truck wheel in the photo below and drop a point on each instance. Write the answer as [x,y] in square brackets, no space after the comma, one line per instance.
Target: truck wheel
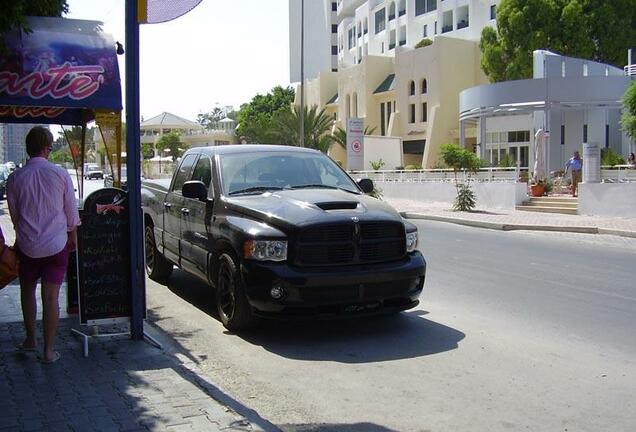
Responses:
[157,267]
[234,309]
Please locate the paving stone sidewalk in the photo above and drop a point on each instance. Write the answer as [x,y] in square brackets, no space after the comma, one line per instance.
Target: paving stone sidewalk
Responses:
[504,219]
[122,386]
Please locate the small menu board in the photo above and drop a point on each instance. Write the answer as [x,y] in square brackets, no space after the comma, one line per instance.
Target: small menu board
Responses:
[104,258]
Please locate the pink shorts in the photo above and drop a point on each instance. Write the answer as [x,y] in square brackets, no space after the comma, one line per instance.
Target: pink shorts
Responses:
[51,269]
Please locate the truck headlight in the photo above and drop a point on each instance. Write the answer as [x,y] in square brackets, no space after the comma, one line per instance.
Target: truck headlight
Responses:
[411,241]
[265,250]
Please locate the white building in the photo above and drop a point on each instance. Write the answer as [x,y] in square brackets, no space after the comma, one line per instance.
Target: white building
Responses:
[400,91]
[339,33]
[577,101]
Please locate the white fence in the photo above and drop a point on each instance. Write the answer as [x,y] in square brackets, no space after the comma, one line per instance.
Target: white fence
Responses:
[618,174]
[507,175]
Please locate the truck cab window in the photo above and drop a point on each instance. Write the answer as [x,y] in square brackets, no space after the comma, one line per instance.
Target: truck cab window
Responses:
[183,172]
[203,171]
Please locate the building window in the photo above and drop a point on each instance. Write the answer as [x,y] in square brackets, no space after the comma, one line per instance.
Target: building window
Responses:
[350,34]
[334,69]
[380,20]
[334,28]
[334,50]
[382,124]
[424,110]
[334,7]
[435,27]
[562,134]
[425,31]
[425,6]
[584,133]
[412,113]
[412,88]
[606,136]
[493,12]
[424,86]
[402,8]
[392,12]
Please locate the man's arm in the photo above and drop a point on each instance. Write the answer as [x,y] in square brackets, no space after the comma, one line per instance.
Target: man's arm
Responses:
[11,202]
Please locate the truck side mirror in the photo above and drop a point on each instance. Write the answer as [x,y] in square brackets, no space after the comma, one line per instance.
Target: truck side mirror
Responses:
[366,185]
[195,189]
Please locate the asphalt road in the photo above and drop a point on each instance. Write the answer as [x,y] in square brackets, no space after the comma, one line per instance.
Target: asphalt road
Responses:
[516,331]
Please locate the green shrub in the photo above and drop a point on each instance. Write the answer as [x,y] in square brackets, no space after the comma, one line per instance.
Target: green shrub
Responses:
[424,43]
[413,167]
[507,161]
[465,200]
[611,158]
[377,165]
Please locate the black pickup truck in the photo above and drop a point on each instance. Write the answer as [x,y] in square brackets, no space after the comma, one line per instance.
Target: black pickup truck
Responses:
[280,232]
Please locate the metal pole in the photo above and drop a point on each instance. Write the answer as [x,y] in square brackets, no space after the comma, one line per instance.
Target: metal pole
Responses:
[302,73]
[137,277]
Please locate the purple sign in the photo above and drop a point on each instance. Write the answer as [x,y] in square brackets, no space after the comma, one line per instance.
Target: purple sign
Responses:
[61,66]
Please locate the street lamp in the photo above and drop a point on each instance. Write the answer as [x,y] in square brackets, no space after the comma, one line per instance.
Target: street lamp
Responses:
[302,73]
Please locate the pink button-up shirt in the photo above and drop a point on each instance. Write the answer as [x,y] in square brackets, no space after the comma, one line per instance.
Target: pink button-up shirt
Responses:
[43,208]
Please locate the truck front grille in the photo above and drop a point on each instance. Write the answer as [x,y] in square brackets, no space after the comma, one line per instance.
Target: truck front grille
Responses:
[350,243]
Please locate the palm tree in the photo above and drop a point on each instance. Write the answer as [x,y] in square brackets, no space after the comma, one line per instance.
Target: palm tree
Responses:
[340,135]
[317,127]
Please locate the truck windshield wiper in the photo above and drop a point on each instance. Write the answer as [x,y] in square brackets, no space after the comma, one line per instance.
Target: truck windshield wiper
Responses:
[255,189]
[320,186]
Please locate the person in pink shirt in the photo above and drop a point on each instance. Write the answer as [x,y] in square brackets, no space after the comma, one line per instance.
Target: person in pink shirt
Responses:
[41,201]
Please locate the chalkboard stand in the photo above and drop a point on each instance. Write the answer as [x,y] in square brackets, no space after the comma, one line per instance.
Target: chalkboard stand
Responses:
[95,334]
[104,289]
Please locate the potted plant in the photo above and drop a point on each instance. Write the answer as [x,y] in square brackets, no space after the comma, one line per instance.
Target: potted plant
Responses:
[538,187]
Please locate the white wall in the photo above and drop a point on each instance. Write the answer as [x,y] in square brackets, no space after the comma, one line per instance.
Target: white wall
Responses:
[489,195]
[607,199]
[389,149]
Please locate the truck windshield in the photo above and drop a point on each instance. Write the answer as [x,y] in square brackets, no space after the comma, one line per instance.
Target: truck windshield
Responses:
[260,172]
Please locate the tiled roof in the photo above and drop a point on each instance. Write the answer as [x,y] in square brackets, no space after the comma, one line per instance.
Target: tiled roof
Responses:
[387,85]
[166,119]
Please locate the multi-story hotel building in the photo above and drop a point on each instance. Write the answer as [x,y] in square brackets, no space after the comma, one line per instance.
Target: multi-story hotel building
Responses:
[380,76]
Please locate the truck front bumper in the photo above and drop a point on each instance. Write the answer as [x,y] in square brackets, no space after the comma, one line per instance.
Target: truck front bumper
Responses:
[325,292]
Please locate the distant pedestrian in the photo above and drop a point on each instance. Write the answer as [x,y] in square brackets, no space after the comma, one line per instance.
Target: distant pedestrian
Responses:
[631,160]
[575,165]
[43,209]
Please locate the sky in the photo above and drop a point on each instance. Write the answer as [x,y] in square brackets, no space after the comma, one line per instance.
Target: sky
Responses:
[223,52]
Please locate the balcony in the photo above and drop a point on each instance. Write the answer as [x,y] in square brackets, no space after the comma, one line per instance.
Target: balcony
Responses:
[391,46]
[462,24]
[403,42]
[447,28]
[402,12]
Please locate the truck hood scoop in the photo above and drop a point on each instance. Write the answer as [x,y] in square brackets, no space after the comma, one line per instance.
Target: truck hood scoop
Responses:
[338,205]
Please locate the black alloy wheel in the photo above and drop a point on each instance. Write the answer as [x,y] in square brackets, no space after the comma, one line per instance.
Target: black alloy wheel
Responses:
[234,309]
[157,267]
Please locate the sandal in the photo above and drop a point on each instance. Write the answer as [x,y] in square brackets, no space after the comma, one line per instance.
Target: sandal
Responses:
[56,357]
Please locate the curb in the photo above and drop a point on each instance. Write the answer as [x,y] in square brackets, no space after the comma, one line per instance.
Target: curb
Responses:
[517,227]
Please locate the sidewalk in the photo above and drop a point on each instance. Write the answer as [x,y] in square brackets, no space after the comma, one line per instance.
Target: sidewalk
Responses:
[507,220]
[121,386]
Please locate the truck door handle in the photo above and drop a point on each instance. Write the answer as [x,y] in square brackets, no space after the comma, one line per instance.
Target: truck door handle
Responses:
[185,211]
[167,205]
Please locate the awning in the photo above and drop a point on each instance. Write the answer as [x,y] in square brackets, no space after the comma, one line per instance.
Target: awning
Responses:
[59,73]
[387,85]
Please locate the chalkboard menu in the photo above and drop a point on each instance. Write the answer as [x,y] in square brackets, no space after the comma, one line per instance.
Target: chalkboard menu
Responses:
[104,258]
[72,299]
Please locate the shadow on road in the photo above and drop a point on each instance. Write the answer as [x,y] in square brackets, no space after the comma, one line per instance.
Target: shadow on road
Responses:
[356,340]
[330,427]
